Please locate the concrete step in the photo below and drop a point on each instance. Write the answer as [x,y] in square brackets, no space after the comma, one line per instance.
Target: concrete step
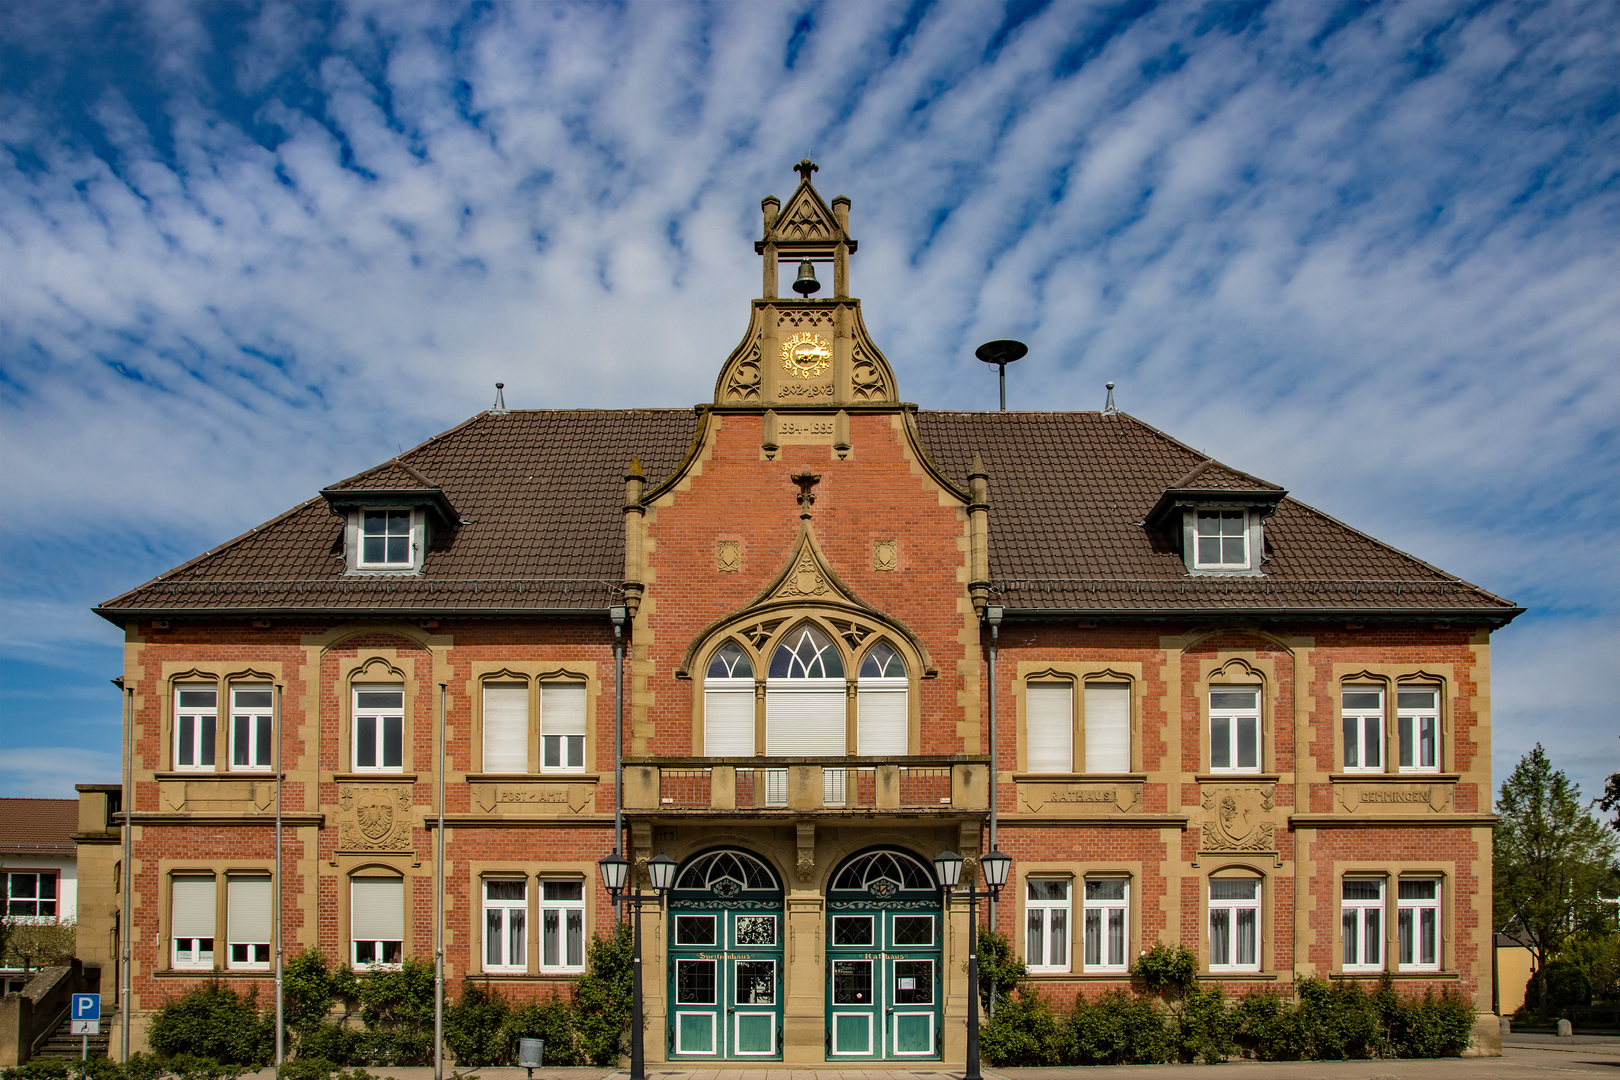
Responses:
[64,1045]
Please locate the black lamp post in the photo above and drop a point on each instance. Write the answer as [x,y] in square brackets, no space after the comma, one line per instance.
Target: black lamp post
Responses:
[994,866]
[615,872]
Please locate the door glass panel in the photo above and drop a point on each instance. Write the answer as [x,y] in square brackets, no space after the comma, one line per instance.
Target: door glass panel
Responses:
[913,930]
[756,982]
[852,1033]
[755,1034]
[755,929]
[694,929]
[852,982]
[914,1033]
[852,929]
[694,982]
[913,982]
[694,1033]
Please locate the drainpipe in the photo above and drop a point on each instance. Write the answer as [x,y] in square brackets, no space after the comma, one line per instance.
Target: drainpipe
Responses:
[128,876]
[619,614]
[992,616]
[280,1017]
[438,911]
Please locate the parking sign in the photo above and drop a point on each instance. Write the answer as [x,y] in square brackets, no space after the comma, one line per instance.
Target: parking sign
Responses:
[86,1007]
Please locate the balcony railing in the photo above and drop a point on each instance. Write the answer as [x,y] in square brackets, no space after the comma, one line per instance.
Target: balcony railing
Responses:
[950,784]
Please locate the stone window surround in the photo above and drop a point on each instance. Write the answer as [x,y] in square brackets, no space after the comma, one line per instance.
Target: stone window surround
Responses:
[533,873]
[534,673]
[168,870]
[1078,673]
[1240,668]
[222,679]
[1266,930]
[1078,873]
[1391,678]
[1391,872]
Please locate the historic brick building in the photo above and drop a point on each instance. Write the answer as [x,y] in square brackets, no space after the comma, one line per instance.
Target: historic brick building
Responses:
[1190,708]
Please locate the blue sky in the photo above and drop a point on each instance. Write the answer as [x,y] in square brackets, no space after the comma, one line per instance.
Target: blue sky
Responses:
[1367,250]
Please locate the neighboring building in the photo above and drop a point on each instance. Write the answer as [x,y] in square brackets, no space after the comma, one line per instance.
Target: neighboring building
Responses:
[1221,717]
[38,870]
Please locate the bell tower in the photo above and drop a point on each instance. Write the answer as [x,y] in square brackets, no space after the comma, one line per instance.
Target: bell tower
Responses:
[806,353]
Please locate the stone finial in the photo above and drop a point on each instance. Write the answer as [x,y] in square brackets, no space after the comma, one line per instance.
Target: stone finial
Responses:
[804,169]
[807,497]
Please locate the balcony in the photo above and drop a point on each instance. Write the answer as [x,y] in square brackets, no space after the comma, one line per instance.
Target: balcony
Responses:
[792,787]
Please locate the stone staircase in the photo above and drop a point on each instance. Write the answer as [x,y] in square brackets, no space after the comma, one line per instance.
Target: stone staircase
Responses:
[62,1045]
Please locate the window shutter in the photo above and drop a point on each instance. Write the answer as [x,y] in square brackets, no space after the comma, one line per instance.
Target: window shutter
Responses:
[506,728]
[1108,728]
[378,912]
[192,912]
[247,899]
[804,723]
[881,720]
[562,709]
[1049,727]
[728,722]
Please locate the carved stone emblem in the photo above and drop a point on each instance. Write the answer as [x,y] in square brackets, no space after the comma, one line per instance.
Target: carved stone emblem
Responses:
[867,379]
[805,580]
[884,555]
[1237,819]
[728,556]
[806,355]
[375,818]
[744,384]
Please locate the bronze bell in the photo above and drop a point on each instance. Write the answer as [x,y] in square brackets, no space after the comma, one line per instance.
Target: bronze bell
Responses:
[806,283]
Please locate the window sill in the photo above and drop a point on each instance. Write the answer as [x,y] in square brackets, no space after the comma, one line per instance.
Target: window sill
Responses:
[1397,976]
[1394,777]
[384,571]
[402,777]
[1220,571]
[1247,777]
[1080,976]
[1073,778]
[240,774]
[533,777]
[1239,976]
[530,976]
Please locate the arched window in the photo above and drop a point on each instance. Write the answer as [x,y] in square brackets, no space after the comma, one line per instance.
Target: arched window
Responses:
[727,873]
[883,874]
[882,717]
[728,703]
[804,696]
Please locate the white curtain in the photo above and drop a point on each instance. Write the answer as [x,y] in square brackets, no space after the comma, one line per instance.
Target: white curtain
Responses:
[1108,728]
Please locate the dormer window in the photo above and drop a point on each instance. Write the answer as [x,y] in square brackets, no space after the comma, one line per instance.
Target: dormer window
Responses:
[386,539]
[1220,539]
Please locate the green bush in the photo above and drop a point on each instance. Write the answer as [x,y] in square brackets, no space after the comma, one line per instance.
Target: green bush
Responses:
[1167,970]
[1203,1027]
[1435,1025]
[474,1027]
[313,1068]
[1271,1027]
[1341,1020]
[1000,968]
[213,1022]
[38,1069]
[602,997]
[330,1042]
[1115,1028]
[1567,986]
[397,1007]
[1024,1031]
[550,1019]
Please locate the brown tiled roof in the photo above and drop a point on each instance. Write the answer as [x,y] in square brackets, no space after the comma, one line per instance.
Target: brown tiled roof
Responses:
[540,497]
[1068,493]
[38,826]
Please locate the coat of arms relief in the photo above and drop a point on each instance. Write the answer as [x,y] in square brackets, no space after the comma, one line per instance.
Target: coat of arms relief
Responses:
[375,818]
[1239,818]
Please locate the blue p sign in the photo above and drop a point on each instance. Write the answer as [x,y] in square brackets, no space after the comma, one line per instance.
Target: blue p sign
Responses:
[86,1007]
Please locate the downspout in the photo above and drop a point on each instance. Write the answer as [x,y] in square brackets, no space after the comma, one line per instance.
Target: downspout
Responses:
[618,613]
[128,877]
[635,521]
[280,999]
[992,616]
[438,911]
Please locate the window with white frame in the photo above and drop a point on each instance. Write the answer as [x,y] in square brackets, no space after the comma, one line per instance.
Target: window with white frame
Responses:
[191,921]
[1108,727]
[1234,729]
[1417,725]
[195,715]
[506,924]
[1362,720]
[1049,727]
[728,703]
[1106,927]
[1046,924]
[1417,924]
[506,727]
[1234,924]
[31,895]
[562,925]
[805,694]
[386,539]
[379,728]
[562,727]
[882,719]
[376,921]
[248,900]
[1221,540]
[253,721]
[1361,923]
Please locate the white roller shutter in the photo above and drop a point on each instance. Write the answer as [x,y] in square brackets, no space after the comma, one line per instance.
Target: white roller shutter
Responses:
[1108,728]
[805,723]
[728,720]
[506,728]
[562,709]
[192,910]
[881,718]
[378,911]
[1049,727]
[247,900]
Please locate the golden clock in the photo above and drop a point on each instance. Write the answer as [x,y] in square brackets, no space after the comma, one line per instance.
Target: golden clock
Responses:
[806,355]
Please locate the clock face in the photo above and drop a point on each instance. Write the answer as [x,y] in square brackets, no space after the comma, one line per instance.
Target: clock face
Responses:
[806,355]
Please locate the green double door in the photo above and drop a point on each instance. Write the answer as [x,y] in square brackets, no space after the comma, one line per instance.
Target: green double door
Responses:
[884,981]
[725,982]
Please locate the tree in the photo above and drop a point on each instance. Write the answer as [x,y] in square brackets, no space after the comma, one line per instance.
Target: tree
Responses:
[1553,862]
[31,944]
[1611,800]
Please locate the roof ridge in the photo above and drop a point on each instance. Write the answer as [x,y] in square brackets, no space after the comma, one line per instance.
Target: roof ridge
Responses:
[1207,459]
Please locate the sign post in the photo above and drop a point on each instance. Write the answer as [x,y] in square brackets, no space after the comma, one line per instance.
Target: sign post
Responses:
[84,1016]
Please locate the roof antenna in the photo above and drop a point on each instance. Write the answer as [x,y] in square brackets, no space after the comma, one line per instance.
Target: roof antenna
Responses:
[1001,352]
[1109,408]
[500,409]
